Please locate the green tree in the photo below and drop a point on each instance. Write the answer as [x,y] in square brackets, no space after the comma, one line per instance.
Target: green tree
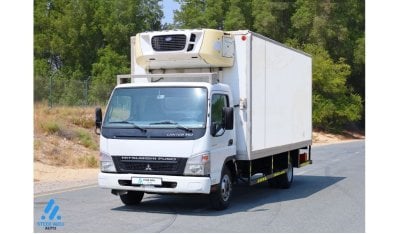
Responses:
[105,70]
[215,12]
[337,26]
[71,36]
[238,15]
[334,104]
[272,18]
[191,14]
[40,80]
[149,15]
[218,14]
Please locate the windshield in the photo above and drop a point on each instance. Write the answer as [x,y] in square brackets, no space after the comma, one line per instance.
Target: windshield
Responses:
[157,107]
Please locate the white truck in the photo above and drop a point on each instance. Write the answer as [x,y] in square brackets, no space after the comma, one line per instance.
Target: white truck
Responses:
[203,109]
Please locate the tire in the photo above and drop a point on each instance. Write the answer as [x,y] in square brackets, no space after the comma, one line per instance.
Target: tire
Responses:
[274,182]
[131,197]
[220,199]
[283,181]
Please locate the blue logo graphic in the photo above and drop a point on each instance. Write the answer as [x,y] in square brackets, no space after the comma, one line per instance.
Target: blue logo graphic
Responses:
[53,220]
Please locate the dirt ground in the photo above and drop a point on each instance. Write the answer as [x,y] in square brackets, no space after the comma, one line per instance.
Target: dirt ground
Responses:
[322,138]
[50,178]
[47,173]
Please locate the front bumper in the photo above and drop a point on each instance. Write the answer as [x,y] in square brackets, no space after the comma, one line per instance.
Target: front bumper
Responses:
[173,184]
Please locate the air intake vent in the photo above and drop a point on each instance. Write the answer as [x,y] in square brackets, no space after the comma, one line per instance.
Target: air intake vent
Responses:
[168,42]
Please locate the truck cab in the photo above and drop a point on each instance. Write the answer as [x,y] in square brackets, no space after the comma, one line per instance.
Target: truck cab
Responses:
[167,137]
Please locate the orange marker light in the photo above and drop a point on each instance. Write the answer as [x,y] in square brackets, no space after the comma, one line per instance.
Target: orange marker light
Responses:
[205,158]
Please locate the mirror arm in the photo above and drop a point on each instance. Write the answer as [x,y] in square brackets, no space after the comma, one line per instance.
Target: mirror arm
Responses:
[97,130]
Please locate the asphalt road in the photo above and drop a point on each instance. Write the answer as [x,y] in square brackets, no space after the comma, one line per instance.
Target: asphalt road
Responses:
[327,196]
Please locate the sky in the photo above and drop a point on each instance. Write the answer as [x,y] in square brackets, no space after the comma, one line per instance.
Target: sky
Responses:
[168,7]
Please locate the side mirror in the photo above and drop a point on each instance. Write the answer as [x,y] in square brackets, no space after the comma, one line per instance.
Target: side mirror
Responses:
[227,118]
[99,120]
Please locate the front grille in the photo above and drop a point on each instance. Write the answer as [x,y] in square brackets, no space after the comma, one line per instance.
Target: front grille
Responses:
[150,165]
[168,42]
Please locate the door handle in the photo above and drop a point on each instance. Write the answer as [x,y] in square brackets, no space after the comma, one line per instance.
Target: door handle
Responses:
[230,142]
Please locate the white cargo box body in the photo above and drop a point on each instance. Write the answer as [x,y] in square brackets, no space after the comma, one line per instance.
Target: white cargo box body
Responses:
[273,85]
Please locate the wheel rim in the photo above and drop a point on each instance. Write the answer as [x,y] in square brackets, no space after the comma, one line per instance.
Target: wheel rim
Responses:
[289,173]
[226,188]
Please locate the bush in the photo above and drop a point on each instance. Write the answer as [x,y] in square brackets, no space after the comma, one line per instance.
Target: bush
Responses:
[51,127]
[86,140]
[88,161]
[92,161]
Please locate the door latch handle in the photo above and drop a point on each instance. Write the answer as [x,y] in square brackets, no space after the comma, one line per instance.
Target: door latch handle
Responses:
[230,142]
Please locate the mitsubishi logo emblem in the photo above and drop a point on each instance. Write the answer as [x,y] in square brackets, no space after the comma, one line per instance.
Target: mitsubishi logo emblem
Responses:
[148,168]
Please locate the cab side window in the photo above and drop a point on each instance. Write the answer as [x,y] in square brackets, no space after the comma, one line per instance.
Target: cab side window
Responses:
[218,102]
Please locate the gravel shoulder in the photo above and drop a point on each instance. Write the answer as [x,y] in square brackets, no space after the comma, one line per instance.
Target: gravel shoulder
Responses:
[52,178]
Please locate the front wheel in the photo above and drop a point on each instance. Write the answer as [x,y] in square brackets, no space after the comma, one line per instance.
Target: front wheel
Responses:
[220,198]
[131,197]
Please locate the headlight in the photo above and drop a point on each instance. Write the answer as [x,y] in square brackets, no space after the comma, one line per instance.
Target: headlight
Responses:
[106,163]
[198,165]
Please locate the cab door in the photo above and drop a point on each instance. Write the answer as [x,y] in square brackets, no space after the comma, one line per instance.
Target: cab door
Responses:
[222,140]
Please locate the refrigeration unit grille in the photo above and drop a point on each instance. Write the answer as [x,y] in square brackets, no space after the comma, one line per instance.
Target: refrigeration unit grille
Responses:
[169,42]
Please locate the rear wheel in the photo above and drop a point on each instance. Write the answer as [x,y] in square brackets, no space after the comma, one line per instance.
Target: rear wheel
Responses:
[283,181]
[220,199]
[132,197]
[274,182]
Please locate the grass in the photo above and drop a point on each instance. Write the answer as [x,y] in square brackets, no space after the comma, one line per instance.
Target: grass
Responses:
[51,127]
[86,140]
[83,121]
[88,161]
[64,136]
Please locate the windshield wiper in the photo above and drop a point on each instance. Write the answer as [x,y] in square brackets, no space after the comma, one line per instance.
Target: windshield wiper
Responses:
[169,122]
[131,123]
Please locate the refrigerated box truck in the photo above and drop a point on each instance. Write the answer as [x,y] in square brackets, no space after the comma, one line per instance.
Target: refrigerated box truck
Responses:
[203,109]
